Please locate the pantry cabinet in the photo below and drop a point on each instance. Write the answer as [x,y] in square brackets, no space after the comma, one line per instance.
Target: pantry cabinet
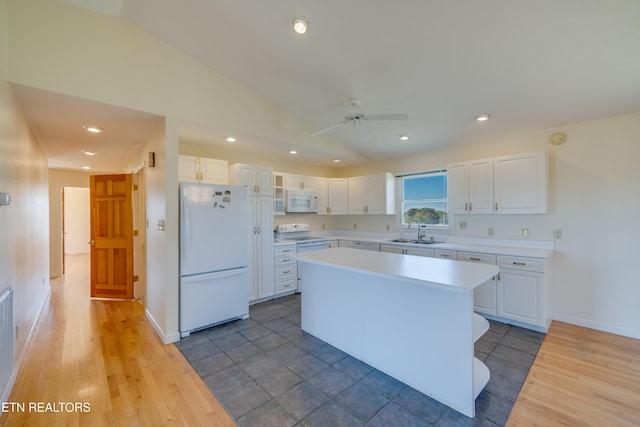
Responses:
[259,181]
[201,169]
[371,194]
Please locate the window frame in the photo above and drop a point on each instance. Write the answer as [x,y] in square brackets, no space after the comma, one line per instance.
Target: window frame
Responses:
[400,201]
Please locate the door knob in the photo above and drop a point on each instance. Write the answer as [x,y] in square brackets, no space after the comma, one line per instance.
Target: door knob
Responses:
[92,242]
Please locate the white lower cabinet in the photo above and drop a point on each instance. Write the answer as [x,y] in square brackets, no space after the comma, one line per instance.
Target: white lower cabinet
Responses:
[286,270]
[521,290]
[345,243]
[404,250]
[367,246]
[484,296]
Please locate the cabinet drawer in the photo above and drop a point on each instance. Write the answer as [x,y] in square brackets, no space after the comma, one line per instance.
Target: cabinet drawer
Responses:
[285,249]
[284,259]
[286,285]
[476,257]
[521,263]
[285,271]
[367,246]
[443,253]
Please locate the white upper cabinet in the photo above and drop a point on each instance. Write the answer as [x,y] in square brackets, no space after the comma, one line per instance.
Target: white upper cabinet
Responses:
[514,184]
[372,194]
[258,179]
[333,195]
[470,187]
[521,183]
[201,169]
[338,196]
[302,182]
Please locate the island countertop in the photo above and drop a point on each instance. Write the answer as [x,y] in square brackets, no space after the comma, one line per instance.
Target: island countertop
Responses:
[457,276]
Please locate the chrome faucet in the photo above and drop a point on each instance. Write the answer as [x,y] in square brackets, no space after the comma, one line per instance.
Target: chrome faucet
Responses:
[421,234]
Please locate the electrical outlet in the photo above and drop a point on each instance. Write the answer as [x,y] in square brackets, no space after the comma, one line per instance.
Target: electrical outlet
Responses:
[17,330]
[463,225]
[355,226]
[491,231]
[323,226]
[388,227]
[557,234]
[525,233]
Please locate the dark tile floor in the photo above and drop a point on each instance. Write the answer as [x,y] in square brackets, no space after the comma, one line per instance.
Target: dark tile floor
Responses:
[266,371]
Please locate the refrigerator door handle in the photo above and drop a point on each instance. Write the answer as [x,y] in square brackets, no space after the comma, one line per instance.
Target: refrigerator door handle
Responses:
[184,251]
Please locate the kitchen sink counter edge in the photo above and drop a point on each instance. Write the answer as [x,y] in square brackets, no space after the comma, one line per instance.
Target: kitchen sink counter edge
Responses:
[453,246]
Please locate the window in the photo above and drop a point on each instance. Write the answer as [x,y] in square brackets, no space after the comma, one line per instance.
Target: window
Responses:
[424,198]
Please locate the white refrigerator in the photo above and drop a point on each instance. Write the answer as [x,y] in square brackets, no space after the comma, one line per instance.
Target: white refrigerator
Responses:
[214,255]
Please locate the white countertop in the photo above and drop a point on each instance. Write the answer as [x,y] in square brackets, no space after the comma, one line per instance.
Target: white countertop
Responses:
[434,272]
[488,248]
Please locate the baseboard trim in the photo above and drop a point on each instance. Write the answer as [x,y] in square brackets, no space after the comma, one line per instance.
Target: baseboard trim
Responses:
[604,327]
[166,338]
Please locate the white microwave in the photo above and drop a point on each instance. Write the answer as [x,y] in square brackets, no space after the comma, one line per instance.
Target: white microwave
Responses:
[302,201]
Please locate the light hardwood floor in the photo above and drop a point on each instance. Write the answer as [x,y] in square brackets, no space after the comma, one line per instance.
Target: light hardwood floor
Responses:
[106,353]
[581,377]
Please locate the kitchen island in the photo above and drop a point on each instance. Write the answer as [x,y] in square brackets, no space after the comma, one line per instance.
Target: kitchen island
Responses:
[410,317]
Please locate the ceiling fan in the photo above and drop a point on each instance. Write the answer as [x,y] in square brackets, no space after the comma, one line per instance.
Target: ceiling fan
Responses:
[358,117]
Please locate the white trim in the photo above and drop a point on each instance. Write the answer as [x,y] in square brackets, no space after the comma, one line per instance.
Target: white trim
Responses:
[27,342]
[166,338]
[604,327]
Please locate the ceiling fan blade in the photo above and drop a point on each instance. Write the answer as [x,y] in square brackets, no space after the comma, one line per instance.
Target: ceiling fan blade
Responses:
[344,122]
[398,116]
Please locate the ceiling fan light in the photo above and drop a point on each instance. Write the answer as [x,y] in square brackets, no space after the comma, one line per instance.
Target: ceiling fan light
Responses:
[482,118]
[300,24]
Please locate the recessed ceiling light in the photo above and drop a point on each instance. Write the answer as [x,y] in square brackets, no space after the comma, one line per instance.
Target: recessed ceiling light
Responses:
[293,152]
[482,118]
[231,139]
[336,160]
[86,167]
[300,24]
[93,129]
[89,153]
[404,137]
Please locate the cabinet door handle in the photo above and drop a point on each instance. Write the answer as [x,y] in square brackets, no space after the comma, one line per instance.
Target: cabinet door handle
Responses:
[470,207]
[445,255]
[519,263]
[287,285]
[474,259]
[496,206]
[286,272]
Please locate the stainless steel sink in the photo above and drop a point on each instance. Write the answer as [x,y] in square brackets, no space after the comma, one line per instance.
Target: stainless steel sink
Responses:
[423,242]
[403,241]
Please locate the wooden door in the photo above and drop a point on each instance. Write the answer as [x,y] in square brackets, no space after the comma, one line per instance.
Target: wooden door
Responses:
[111,236]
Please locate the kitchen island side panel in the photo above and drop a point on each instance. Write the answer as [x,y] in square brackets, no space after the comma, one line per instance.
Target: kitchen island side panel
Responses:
[417,334]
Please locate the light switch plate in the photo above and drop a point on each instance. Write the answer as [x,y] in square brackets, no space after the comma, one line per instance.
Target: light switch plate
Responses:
[5,199]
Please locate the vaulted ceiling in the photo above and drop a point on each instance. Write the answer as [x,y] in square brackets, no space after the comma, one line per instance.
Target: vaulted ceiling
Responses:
[528,64]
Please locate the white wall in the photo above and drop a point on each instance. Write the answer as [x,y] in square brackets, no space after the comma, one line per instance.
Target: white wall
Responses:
[594,201]
[76,221]
[24,225]
[57,180]
[80,53]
